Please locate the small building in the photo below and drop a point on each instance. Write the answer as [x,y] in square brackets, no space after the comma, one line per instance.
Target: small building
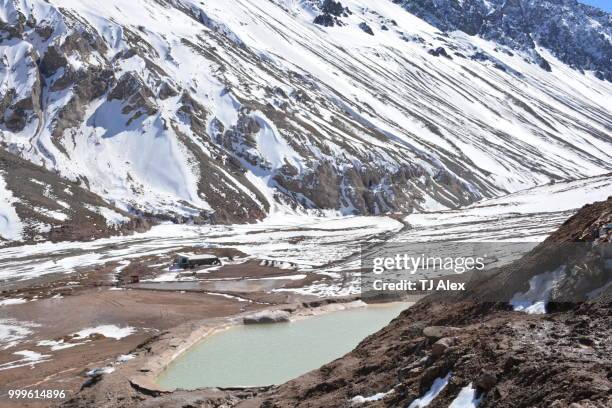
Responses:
[134,278]
[190,261]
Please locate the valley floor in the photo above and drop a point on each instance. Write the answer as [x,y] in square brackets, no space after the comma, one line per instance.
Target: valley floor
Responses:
[64,314]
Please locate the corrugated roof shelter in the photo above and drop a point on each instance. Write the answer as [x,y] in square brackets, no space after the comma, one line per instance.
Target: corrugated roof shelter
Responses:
[189,261]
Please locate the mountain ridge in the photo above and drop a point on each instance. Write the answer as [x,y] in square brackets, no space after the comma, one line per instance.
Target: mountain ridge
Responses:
[577,34]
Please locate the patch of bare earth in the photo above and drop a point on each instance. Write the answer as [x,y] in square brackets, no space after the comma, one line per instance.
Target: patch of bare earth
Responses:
[57,306]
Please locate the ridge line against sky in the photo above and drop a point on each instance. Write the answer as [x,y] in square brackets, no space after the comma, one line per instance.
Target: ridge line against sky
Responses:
[605,5]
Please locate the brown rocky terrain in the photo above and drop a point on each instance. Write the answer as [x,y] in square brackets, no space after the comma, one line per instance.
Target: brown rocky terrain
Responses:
[512,359]
[55,209]
[57,306]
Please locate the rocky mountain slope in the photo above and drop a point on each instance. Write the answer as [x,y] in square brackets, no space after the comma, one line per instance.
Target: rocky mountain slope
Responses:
[175,108]
[474,348]
[38,205]
[577,34]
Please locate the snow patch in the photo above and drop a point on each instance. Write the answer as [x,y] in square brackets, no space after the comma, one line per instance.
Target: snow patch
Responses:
[56,215]
[30,358]
[166,277]
[56,344]
[81,337]
[438,385]
[113,218]
[273,147]
[125,357]
[376,397]
[11,227]
[225,295]
[13,331]
[14,301]
[466,398]
[282,277]
[30,355]
[99,371]
[107,330]
[533,301]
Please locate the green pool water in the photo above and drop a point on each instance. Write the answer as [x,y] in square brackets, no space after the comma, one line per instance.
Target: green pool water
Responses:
[256,355]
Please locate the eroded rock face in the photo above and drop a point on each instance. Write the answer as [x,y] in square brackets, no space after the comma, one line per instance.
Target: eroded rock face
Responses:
[20,106]
[135,96]
[75,65]
[334,7]
[332,13]
[52,61]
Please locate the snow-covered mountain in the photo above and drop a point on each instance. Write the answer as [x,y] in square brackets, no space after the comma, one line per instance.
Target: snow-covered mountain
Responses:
[577,34]
[226,111]
[38,205]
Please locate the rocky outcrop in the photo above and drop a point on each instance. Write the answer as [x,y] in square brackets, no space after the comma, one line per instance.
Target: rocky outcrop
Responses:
[136,97]
[267,317]
[366,28]
[19,107]
[439,52]
[331,13]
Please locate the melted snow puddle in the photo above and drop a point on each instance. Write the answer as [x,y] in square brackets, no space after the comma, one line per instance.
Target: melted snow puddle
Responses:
[258,355]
